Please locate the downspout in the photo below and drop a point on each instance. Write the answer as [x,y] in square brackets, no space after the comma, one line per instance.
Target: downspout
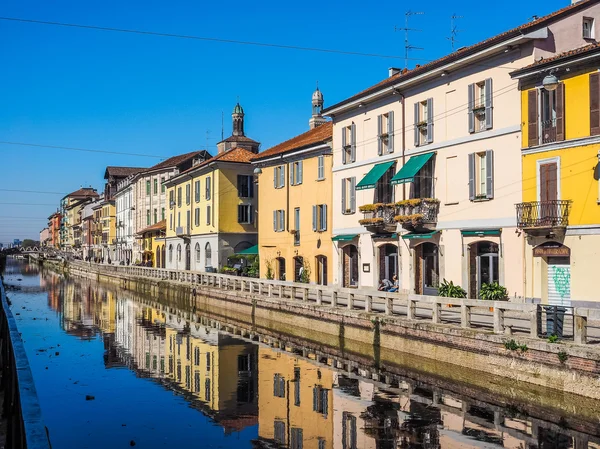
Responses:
[287,195]
[403,101]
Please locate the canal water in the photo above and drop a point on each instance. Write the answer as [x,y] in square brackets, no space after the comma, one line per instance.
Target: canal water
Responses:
[113,372]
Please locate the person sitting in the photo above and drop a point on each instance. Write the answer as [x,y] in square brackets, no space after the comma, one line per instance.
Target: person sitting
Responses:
[394,287]
[385,285]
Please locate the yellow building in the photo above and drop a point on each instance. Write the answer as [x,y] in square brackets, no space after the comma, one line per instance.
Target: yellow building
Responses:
[295,195]
[560,212]
[211,213]
[153,242]
[70,226]
[109,230]
[295,399]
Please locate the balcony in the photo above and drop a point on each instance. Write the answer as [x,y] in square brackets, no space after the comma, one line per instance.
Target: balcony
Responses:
[548,131]
[379,217]
[418,214]
[182,231]
[542,217]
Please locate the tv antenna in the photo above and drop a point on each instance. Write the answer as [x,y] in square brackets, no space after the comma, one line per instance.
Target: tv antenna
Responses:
[453,30]
[406,29]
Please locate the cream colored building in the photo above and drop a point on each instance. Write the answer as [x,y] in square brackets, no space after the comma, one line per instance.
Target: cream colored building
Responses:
[433,196]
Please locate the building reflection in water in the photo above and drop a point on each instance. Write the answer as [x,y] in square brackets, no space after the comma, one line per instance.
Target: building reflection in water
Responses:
[296,402]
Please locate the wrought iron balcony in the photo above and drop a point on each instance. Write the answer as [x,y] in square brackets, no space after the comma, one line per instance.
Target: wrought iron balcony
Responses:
[548,131]
[182,231]
[417,214]
[379,217]
[543,215]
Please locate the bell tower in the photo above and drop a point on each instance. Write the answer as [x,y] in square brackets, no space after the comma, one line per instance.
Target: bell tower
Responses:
[238,120]
[317,107]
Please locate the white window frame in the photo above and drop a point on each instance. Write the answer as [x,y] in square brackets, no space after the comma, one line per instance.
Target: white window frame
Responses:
[248,208]
[592,23]
[320,167]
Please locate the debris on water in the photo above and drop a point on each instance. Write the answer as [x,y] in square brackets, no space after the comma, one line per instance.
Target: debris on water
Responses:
[17,314]
[42,350]
[89,397]
[46,367]
[76,382]
[57,353]
[19,279]
[123,425]
[132,443]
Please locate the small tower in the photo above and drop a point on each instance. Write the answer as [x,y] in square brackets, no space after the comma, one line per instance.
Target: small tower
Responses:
[317,107]
[238,120]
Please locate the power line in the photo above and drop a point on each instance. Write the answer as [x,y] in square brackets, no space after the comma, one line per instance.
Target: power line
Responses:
[32,191]
[29,204]
[87,150]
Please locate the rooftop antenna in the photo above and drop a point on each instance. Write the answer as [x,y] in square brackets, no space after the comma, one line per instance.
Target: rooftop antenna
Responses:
[453,30]
[222,126]
[406,29]
[207,133]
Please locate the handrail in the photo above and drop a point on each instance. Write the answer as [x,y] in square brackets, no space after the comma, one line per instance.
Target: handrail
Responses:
[25,426]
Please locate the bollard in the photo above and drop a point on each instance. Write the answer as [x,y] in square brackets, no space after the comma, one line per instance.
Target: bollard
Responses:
[368,303]
[498,320]
[465,316]
[580,329]
[389,307]
[350,301]
[319,297]
[411,309]
[436,313]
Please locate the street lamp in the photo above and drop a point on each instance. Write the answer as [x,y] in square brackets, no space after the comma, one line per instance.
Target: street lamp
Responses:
[550,81]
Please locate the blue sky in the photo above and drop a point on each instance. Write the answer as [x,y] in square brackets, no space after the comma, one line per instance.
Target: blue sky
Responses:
[162,96]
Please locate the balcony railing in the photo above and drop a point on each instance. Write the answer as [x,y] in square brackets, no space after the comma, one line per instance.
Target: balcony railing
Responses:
[414,215]
[548,131]
[182,231]
[543,214]
[379,217]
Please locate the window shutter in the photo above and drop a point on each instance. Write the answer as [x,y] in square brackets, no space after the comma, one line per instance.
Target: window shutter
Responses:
[471,106]
[240,213]
[281,175]
[416,124]
[299,180]
[471,176]
[560,112]
[391,132]
[324,217]
[275,177]
[282,220]
[282,387]
[250,187]
[488,104]
[595,104]
[429,120]
[353,194]
[344,196]
[275,220]
[353,142]
[275,385]
[324,402]
[344,145]
[250,214]
[379,140]
[292,170]
[315,399]
[532,118]
[314,218]
[489,170]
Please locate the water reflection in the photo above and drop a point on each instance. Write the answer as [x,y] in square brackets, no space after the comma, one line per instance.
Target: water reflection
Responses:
[295,401]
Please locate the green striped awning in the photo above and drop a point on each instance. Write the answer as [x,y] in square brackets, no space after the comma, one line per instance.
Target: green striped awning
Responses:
[422,235]
[479,232]
[374,175]
[250,251]
[408,172]
[344,237]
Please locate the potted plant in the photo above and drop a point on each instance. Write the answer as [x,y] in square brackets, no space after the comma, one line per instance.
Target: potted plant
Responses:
[449,290]
[493,292]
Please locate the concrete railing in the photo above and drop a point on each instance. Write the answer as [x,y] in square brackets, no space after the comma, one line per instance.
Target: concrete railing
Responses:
[502,317]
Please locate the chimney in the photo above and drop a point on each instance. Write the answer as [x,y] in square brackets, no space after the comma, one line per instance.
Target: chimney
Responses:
[393,71]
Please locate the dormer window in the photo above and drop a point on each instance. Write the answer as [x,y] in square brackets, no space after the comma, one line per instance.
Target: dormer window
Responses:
[588,28]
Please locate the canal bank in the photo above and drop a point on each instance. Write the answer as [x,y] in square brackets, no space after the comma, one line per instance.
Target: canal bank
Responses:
[480,356]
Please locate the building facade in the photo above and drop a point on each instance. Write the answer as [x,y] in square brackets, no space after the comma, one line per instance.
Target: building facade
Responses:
[54,221]
[295,189]
[424,179]
[70,223]
[560,213]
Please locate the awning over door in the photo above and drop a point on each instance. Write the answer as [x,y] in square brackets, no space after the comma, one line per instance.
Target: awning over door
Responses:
[374,175]
[422,235]
[479,232]
[250,251]
[344,237]
[408,172]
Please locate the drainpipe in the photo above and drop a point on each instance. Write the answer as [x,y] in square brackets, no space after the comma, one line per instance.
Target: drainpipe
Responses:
[287,195]
[403,101]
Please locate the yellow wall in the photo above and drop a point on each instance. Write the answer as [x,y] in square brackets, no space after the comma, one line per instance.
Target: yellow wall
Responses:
[227,196]
[311,192]
[177,210]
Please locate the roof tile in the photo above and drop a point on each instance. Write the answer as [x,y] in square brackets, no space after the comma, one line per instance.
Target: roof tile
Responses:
[320,134]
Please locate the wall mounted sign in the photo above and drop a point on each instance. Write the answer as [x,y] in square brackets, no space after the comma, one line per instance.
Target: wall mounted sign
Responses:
[366,267]
[551,249]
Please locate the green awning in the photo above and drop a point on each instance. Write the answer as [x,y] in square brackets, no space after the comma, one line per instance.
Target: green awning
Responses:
[371,178]
[423,235]
[479,232]
[411,168]
[249,251]
[344,237]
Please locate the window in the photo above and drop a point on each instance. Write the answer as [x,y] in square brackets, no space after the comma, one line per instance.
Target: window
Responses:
[348,195]
[422,186]
[245,186]
[320,217]
[156,186]
[588,28]
[245,214]
[278,386]
[188,195]
[297,387]
[162,213]
[207,389]
[296,441]
[188,218]
[198,259]
[279,432]
[279,220]
[197,191]
[296,173]
[162,185]
[481,175]
[147,217]
[297,226]
[279,176]
[320,168]
[423,122]
[348,431]
[155,216]
[197,217]
[207,255]
[171,221]
[208,215]
[197,382]
[480,106]
[320,400]
[545,114]
[322,443]
[349,144]
[170,253]
[197,350]
[171,199]
[208,361]
[207,188]
[178,253]
[148,187]
[385,133]
[178,196]
[384,190]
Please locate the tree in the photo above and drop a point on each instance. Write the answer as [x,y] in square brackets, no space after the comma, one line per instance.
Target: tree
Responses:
[27,243]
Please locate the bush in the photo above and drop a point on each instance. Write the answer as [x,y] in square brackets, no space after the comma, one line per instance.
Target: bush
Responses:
[449,290]
[270,274]
[493,292]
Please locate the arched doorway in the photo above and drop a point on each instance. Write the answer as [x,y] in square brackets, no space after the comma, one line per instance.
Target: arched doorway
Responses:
[280,263]
[188,257]
[350,266]
[207,257]
[164,262]
[321,263]
[483,266]
[298,268]
[242,246]
[170,253]
[158,259]
[178,254]
[198,254]
[388,262]
[427,273]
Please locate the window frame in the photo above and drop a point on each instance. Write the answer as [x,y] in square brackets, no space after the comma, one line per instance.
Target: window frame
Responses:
[320,167]
[245,209]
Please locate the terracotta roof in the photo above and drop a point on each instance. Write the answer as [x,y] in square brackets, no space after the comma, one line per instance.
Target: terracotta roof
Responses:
[84,192]
[564,55]
[121,172]
[155,227]
[237,154]
[320,134]
[180,159]
[463,52]
[239,139]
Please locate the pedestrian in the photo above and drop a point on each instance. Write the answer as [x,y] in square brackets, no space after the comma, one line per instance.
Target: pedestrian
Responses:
[385,285]
[395,286]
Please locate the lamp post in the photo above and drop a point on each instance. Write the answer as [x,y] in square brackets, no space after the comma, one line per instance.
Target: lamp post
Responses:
[550,81]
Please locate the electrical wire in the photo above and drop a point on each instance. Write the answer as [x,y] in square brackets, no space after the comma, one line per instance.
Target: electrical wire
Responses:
[26,144]
[32,191]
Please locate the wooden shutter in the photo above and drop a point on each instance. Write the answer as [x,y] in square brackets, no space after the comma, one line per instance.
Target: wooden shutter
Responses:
[471,176]
[324,217]
[353,194]
[390,132]
[250,187]
[282,220]
[489,171]
[299,180]
[379,131]
[343,196]
[416,130]
[314,218]
[560,112]
[292,170]
[594,104]
[548,182]
[324,402]
[532,118]
[344,161]
[353,142]
[274,220]
[315,399]
[471,91]
[274,180]
[429,120]
[240,213]
[281,175]
[488,104]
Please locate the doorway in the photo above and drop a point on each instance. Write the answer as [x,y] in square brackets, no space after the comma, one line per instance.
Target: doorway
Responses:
[321,270]
[559,281]
[298,268]
[280,268]
[388,262]
[427,274]
[188,257]
[350,266]
[483,266]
